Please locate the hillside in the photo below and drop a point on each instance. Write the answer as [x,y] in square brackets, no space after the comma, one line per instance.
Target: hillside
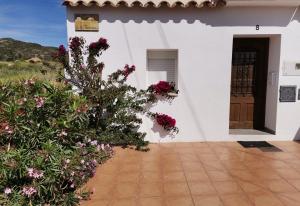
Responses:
[11,50]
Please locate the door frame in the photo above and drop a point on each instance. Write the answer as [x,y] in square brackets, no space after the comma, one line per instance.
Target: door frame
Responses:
[259,115]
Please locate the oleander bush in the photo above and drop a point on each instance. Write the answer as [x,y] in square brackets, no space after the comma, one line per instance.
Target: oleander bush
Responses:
[47,150]
[53,136]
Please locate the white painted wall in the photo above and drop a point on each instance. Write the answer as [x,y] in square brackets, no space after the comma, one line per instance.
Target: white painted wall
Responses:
[204,39]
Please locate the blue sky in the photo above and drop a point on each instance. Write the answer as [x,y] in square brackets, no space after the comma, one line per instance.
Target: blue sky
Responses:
[39,21]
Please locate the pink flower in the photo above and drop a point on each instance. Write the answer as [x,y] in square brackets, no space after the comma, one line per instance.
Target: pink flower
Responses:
[128,70]
[63,133]
[94,143]
[39,101]
[165,121]
[8,129]
[34,173]
[28,191]
[29,82]
[62,51]
[161,87]
[7,191]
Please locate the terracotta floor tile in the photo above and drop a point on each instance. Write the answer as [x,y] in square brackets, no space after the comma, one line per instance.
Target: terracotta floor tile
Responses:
[290,199]
[151,167]
[151,190]
[149,177]
[151,201]
[124,202]
[192,166]
[172,167]
[235,200]
[213,165]
[262,199]
[266,174]
[288,173]
[179,201]
[279,186]
[202,188]
[173,177]
[183,151]
[196,176]
[176,189]
[233,165]
[126,190]
[133,167]
[207,200]
[295,183]
[208,157]
[227,187]
[219,176]
[189,158]
[200,174]
[102,191]
[252,187]
[124,177]
[244,175]
[203,150]
[95,203]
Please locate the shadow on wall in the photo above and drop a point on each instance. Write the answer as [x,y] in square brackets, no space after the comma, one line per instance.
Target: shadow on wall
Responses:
[297,136]
[215,17]
[160,130]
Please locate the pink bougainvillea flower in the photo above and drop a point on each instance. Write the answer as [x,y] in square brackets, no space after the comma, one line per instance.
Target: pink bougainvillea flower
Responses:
[128,70]
[75,43]
[62,51]
[161,87]
[101,44]
[39,101]
[165,121]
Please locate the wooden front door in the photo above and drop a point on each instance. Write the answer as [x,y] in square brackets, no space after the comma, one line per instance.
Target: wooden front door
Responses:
[248,83]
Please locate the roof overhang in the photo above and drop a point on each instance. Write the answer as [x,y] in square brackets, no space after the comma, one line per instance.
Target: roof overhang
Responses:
[146,3]
[182,3]
[263,2]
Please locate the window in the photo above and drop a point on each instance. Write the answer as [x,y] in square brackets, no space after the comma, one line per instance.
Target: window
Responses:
[162,66]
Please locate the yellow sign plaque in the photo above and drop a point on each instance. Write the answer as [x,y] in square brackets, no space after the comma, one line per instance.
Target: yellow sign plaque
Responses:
[87,22]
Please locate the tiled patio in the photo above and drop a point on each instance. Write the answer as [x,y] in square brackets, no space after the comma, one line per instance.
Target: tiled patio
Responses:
[201,174]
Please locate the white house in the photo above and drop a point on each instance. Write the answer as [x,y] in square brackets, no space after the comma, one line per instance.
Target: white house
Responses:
[236,62]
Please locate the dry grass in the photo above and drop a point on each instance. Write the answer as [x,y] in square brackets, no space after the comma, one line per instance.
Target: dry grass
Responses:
[19,70]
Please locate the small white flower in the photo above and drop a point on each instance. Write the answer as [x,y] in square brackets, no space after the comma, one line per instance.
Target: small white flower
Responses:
[94,143]
[7,191]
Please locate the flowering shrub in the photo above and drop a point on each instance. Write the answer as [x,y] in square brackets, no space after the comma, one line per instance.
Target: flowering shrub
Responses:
[167,122]
[47,149]
[114,104]
[163,88]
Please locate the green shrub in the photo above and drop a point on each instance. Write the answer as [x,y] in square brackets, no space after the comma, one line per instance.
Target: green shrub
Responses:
[47,149]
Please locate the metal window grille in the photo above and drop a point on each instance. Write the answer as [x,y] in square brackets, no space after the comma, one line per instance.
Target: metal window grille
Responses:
[243,73]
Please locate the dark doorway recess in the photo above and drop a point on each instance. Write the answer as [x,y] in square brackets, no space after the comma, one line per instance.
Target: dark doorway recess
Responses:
[249,83]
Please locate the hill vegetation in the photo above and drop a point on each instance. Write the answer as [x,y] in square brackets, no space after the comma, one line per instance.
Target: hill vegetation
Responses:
[12,50]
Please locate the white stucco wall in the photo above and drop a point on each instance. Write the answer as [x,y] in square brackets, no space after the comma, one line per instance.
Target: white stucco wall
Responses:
[204,40]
